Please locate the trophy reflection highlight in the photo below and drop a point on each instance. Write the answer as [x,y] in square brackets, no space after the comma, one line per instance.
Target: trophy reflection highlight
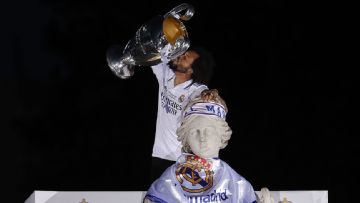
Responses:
[144,49]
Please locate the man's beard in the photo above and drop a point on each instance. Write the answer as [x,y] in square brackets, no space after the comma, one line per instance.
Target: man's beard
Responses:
[172,66]
[177,68]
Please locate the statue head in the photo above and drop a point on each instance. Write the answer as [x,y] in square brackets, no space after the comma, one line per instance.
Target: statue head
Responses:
[204,130]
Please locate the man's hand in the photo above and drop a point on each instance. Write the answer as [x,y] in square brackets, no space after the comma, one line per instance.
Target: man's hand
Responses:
[213,95]
[209,95]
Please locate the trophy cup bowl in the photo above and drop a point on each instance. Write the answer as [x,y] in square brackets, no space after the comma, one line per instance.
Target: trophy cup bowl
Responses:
[144,49]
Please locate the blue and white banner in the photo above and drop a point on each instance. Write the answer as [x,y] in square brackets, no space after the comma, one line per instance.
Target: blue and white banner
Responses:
[206,108]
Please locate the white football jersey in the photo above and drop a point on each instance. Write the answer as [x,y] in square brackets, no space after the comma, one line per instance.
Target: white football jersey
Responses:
[172,99]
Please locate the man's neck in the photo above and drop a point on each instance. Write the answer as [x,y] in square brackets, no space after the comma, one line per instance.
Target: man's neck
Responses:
[181,78]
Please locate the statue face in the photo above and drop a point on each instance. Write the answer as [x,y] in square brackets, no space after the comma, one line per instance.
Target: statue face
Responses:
[203,138]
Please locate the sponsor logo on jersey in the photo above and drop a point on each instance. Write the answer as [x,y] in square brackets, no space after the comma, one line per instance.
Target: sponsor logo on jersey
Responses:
[170,106]
[216,196]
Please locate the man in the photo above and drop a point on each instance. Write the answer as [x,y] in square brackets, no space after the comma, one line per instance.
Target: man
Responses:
[199,175]
[179,80]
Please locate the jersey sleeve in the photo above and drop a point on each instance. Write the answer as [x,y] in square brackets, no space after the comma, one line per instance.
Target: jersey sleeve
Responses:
[159,71]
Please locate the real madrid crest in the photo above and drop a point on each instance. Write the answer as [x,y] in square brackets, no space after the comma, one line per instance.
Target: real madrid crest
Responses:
[181,98]
[195,175]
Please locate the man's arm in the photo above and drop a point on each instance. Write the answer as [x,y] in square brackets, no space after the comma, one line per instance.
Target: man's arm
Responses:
[159,69]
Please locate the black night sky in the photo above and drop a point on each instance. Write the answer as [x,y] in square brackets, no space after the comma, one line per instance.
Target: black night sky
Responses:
[68,123]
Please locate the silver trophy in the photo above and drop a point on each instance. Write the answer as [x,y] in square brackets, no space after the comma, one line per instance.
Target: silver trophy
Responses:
[152,37]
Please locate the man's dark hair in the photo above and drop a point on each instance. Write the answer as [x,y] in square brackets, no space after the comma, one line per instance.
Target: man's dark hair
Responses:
[202,66]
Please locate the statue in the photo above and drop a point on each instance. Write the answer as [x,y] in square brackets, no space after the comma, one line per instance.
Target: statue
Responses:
[199,175]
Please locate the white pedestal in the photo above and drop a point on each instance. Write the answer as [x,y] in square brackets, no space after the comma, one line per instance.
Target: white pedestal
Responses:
[85,197]
[300,196]
[137,197]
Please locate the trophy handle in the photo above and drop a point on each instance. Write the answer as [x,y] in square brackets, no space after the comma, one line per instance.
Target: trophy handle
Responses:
[176,12]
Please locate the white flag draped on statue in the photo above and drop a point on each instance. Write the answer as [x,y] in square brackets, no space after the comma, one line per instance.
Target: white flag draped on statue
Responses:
[194,179]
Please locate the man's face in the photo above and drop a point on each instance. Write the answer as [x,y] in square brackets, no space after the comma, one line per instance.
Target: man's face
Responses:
[203,137]
[183,63]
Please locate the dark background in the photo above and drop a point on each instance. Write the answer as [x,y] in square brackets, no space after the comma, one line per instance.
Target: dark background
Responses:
[69,124]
